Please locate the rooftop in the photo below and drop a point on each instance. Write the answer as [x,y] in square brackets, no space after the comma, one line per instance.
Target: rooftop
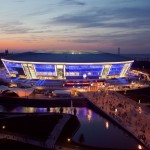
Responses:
[79,57]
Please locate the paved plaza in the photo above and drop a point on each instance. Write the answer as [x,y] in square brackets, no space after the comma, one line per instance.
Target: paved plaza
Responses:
[130,114]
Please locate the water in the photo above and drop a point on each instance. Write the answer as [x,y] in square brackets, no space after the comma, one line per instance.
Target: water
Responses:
[96,130]
[99,132]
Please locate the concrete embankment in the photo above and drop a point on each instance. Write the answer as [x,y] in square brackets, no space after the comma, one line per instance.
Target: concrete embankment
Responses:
[55,102]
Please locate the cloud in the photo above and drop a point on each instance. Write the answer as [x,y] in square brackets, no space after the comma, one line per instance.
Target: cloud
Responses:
[13,28]
[126,17]
[72,2]
[84,19]
[127,41]
[18,27]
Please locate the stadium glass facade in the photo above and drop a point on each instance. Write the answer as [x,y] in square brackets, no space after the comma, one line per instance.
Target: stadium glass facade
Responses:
[116,69]
[37,70]
[45,70]
[14,68]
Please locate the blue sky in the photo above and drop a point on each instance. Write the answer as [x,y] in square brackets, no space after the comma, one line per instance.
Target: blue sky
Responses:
[104,25]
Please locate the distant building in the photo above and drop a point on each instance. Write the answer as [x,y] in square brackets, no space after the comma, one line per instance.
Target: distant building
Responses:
[6,52]
[65,65]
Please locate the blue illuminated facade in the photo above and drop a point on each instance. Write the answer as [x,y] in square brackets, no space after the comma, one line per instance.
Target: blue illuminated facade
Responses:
[67,71]
[90,71]
[45,69]
[14,68]
[67,66]
[116,69]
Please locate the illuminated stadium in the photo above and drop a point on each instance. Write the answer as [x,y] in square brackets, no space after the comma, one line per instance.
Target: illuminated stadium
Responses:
[65,65]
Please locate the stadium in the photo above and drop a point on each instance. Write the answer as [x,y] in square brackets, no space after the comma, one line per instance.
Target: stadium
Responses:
[67,65]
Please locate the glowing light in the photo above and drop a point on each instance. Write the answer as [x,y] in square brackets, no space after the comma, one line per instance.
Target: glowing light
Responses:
[140,147]
[84,76]
[31,109]
[139,101]
[107,124]
[3,127]
[68,139]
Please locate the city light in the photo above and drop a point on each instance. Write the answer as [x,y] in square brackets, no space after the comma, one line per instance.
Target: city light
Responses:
[3,127]
[140,147]
[68,139]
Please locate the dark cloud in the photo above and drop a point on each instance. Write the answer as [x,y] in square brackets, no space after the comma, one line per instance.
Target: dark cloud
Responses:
[73,2]
[81,20]
[127,17]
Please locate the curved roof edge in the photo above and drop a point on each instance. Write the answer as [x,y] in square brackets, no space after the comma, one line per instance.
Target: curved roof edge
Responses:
[66,63]
[67,57]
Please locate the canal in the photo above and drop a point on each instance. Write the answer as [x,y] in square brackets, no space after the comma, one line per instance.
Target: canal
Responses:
[94,131]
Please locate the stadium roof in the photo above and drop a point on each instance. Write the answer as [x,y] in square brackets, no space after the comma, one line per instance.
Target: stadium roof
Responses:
[83,57]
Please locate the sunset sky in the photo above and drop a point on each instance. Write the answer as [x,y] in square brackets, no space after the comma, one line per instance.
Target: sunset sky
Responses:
[104,25]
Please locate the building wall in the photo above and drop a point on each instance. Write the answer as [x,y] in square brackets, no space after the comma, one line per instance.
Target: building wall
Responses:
[37,70]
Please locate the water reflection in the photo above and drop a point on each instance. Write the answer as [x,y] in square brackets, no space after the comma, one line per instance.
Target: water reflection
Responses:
[96,130]
[89,115]
[107,124]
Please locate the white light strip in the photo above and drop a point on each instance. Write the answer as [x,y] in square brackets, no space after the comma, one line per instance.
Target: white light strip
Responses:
[24,70]
[35,71]
[109,70]
[66,63]
[5,66]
